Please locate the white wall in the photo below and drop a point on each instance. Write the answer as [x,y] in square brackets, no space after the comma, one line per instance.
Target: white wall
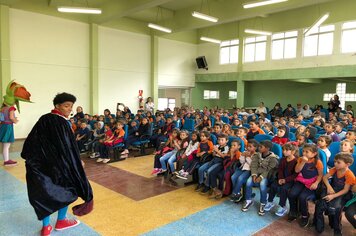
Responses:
[124,68]
[176,63]
[48,55]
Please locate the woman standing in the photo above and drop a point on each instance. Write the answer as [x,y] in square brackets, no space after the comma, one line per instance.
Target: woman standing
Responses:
[149,105]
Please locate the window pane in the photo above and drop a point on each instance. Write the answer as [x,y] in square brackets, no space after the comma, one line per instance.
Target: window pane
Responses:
[291,34]
[206,94]
[234,42]
[326,44]
[260,51]
[232,94]
[277,49]
[234,54]
[214,94]
[162,103]
[314,31]
[278,36]
[249,53]
[250,40]
[261,38]
[326,28]
[224,43]
[348,41]
[224,55]
[349,25]
[311,45]
[290,48]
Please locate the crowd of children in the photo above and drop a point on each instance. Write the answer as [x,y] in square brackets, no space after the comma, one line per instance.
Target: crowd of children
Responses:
[224,158]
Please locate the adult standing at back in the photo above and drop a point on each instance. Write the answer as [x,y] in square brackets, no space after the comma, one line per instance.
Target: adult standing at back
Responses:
[261,109]
[149,105]
[80,113]
[335,103]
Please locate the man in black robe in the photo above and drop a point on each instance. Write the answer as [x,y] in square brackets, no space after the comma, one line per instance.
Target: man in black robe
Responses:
[54,172]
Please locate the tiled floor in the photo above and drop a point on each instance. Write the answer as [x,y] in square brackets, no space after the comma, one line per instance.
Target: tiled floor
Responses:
[129,201]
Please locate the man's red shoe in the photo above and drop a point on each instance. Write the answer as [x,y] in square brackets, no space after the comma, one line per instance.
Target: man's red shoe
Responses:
[46,230]
[66,224]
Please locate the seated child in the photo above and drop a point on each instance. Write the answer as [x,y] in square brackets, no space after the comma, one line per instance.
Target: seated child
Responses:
[350,206]
[231,162]
[226,129]
[339,132]
[330,128]
[351,135]
[254,130]
[282,135]
[310,133]
[135,134]
[217,129]
[167,147]
[241,133]
[116,138]
[301,140]
[324,142]
[242,173]
[170,157]
[336,195]
[285,180]
[188,155]
[82,136]
[262,163]
[268,127]
[215,165]
[310,172]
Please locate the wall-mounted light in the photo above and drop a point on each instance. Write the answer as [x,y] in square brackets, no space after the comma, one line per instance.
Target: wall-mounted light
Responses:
[260,32]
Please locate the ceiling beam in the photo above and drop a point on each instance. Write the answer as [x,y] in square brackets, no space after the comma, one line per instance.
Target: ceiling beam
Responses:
[118,9]
[308,81]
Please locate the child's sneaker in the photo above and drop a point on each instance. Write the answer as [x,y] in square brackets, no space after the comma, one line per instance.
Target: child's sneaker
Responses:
[292,216]
[46,230]
[66,224]
[205,190]
[269,206]
[155,171]
[10,163]
[304,221]
[198,187]
[106,160]
[247,205]
[261,211]
[94,155]
[282,211]
[214,193]
[99,160]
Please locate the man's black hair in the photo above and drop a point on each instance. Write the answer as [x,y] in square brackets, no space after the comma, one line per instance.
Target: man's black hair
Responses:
[64,97]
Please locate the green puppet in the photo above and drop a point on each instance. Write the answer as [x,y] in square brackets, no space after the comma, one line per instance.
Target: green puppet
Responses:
[14,94]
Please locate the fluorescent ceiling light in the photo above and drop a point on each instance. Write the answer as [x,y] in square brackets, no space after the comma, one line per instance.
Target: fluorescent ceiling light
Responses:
[84,10]
[261,3]
[160,28]
[252,31]
[316,24]
[204,17]
[210,40]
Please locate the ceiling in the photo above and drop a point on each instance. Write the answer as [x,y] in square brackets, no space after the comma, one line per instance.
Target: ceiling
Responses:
[175,14]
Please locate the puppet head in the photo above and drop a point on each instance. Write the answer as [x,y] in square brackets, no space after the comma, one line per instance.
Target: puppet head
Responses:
[14,93]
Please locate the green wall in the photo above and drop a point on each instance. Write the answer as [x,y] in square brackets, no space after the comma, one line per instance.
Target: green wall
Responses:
[271,92]
[222,87]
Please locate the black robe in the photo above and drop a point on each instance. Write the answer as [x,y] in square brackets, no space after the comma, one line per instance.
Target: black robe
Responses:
[54,173]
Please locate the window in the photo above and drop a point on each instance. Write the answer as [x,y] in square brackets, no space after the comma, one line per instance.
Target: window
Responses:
[208,94]
[343,96]
[348,37]
[232,94]
[255,49]
[284,45]
[320,41]
[229,52]
[164,103]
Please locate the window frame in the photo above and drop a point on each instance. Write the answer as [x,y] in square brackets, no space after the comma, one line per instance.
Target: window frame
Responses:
[249,41]
[283,39]
[230,45]
[321,31]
